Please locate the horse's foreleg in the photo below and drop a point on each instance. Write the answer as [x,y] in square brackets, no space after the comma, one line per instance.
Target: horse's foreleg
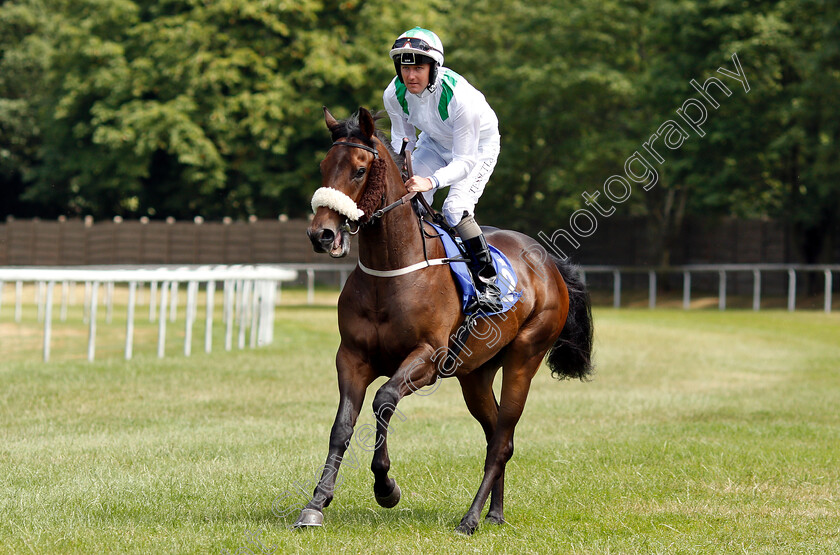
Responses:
[516,381]
[415,372]
[477,388]
[354,376]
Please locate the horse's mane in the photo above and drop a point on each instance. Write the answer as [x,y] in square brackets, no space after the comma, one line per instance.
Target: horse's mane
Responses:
[374,194]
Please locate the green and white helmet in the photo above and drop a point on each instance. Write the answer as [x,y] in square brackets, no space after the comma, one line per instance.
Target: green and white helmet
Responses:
[418,41]
[418,46]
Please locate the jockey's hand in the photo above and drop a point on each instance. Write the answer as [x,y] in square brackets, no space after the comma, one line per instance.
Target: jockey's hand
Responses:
[419,184]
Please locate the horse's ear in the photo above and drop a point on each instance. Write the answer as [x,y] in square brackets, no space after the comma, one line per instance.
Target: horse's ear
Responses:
[331,121]
[366,123]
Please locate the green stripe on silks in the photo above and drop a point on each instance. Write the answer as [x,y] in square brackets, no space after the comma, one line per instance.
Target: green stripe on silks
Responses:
[447,84]
[401,90]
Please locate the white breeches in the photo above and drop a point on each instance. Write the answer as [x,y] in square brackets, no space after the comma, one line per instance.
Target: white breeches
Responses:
[429,157]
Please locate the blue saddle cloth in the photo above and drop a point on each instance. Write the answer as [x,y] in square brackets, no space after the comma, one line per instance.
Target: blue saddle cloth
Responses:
[506,277]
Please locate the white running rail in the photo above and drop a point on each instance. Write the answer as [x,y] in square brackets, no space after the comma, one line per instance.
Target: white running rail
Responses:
[249,294]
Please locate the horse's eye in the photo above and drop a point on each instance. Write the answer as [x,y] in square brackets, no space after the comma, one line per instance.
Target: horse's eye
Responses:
[359,173]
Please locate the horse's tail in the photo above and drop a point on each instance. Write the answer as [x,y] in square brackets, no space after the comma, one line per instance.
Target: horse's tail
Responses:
[571,355]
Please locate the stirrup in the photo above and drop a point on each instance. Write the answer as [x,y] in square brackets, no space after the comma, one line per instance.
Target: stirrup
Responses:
[489,300]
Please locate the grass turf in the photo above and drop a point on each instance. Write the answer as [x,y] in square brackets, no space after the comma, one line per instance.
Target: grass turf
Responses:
[702,432]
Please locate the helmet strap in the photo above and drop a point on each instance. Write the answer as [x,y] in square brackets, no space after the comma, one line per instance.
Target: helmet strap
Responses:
[397,70]
[433,71]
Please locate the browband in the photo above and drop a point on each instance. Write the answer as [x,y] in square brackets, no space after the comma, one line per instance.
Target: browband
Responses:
[357,145]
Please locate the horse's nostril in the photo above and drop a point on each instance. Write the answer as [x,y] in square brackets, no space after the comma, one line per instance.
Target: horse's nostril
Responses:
[327,236]
[322,239]
[316,237]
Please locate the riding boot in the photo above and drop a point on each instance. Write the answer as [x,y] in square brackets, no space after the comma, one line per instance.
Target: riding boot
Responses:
[484,274]
[481,265]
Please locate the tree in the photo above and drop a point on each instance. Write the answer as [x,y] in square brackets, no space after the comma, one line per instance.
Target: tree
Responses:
[580,86]
[184,107]
[767,152]
[23,53]
[554,77]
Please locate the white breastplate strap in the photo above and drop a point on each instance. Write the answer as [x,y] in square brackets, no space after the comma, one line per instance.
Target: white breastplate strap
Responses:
[403,271]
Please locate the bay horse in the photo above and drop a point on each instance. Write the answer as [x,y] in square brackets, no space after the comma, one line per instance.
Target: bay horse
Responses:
[398,311]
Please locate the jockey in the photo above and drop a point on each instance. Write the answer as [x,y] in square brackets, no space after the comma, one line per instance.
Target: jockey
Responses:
[457,147]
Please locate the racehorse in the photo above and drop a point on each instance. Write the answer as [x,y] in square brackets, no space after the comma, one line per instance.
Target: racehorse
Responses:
[398,312]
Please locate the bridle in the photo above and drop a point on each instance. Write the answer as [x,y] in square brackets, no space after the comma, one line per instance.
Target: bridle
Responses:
[358,145]
[436,217]
[384,210]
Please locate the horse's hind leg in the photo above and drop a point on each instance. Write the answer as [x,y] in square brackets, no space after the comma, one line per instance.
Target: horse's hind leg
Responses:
[477,388]
[415,372]
[516,382]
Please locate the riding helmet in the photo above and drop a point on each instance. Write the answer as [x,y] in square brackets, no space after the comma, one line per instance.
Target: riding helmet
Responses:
[418,46]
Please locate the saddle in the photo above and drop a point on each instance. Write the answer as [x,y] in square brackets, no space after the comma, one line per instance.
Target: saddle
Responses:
[458,259]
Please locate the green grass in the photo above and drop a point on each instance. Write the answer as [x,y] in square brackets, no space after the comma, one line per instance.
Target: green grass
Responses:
[702,432]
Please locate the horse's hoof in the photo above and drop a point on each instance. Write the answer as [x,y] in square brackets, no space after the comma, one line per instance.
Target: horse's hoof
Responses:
[390,500]
[494,519]
[466,527]
[309,518]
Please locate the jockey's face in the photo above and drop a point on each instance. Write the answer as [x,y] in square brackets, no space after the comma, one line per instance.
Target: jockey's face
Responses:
[416,78]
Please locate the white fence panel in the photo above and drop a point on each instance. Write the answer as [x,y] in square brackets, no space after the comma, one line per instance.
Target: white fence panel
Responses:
[252,283]
[723,270]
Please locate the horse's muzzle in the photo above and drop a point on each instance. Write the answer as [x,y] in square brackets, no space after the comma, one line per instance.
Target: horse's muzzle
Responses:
[317,238]
[336,243]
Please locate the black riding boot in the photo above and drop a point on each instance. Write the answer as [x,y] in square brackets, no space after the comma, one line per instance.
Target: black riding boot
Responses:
[484,275]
